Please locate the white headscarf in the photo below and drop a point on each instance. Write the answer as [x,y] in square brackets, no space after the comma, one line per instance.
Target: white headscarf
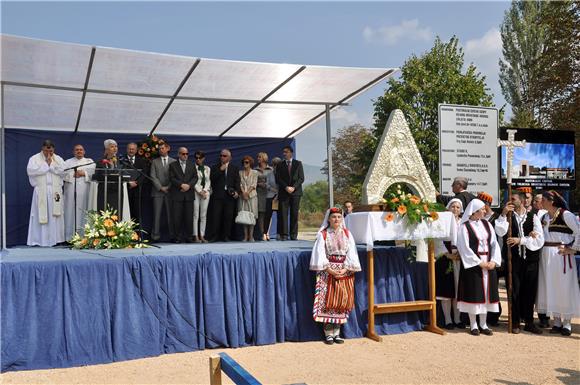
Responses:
[472,207]
[324,224]
[452,201]
[108,142]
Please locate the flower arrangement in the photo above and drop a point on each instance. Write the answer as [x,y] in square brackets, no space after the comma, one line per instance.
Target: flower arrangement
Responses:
[103,230]
[149,147]
[410,206]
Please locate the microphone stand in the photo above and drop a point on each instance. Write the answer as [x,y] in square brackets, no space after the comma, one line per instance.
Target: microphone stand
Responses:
[127,162]
[75,168]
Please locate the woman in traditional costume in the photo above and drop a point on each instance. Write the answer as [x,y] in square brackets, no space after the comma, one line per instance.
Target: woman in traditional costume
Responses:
[335,260]
[447,269]
[480,255]
[558,292]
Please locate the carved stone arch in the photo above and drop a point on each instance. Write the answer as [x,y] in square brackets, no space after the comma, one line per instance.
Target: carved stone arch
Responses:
[397,160]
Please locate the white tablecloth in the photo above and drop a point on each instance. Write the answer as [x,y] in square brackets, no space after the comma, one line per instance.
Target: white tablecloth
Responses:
[368,227]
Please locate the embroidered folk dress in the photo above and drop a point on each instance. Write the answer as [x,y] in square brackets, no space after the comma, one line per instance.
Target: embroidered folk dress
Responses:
[338,251]
[558,292]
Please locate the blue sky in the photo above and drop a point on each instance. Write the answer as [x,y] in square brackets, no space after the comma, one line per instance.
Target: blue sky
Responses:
[359,34]
[543,155]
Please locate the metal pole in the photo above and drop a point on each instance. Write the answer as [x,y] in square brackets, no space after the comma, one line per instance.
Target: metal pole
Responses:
[329,155]
[2,173]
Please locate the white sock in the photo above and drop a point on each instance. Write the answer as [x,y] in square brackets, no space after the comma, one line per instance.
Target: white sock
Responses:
[473,321]
[336,332]
[328,329]
[446,306]
[483,321]
[557,322]
[456,313]
[568,324]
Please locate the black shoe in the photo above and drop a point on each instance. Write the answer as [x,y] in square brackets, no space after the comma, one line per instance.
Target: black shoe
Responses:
[328,340]
[474,332]
[494,323]
[556,330]
[544,324]
[282,238]
[566,332]
[516,330]
[175,240]
[533,329]
[460,325]
[338,340]
[488,331]
[450,326]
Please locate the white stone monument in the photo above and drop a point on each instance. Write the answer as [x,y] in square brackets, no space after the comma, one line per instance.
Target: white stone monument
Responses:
[397,160]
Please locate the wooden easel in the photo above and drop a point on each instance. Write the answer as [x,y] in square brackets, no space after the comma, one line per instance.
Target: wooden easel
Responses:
[402,307]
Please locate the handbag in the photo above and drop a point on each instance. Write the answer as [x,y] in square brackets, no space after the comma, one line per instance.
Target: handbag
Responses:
[340,293]
[275,204]
[245,216]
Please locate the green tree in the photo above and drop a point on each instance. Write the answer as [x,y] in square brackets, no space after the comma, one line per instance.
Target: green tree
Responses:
[315,197]
[435,77]
[523,39]
[347,166]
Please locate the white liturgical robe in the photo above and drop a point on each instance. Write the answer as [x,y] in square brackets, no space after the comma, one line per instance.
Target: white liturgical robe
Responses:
[46,225]
[83,184]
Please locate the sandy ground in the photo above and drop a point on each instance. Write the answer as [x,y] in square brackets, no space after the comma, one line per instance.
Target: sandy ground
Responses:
[413,358]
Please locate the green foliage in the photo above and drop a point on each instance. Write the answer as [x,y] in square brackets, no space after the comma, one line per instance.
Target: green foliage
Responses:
[315,197]
[347,166]
[523,40]
[426,81]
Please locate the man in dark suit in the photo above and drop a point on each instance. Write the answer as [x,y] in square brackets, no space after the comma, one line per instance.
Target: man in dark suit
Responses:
[136,186]
[183,177]
[225,185]
[289,178]
[459,188]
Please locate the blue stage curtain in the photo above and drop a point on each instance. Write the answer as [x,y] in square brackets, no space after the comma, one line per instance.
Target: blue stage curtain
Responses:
[22,144]
[59,313]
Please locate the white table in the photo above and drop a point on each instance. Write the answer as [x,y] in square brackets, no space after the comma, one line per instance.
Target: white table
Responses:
[368,227]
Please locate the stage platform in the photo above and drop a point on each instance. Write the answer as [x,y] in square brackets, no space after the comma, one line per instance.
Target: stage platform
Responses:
[63,308]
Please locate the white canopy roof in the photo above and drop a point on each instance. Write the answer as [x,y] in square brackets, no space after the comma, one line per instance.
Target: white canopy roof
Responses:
[72,87]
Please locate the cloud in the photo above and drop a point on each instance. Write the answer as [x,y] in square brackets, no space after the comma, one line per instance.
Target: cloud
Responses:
[341,117]
[484,53]
[392,34]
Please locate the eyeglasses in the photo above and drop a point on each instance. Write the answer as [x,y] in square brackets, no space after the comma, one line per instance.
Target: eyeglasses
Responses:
[199,157]
[184,153]
[223,156]
[246,162]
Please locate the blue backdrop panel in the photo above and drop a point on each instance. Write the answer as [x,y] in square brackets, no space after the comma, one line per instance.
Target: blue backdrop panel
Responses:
[22,144]
[89,310]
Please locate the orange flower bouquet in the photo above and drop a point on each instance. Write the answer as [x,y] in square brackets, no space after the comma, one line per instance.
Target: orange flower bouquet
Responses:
[149,147]
[410,206]
[103,230]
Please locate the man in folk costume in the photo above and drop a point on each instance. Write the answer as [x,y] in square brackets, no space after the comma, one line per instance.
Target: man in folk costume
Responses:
[558,292]
[45,171]
[526,241]
[335,260]
[82,179]
[480,254]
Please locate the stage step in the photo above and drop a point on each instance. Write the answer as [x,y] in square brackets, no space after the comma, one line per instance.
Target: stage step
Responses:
[398,307]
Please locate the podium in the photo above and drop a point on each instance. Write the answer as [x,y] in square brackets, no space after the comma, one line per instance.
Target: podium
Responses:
[111,190]
[368,227]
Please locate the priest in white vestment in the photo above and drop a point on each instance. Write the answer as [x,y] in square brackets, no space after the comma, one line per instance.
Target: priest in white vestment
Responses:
[82,179]
[45,172]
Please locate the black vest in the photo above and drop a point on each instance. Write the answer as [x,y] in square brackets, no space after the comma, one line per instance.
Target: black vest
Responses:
[528,227]
[557,225]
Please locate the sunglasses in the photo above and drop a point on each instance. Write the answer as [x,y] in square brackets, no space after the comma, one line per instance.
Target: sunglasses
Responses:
[246,162]
[223,156]
[199,157]
[184,153]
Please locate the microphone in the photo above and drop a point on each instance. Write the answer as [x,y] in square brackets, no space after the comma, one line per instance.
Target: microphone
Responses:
[105,161]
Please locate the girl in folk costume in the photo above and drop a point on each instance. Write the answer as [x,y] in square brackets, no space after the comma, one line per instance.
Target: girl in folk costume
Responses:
[480,255]
[335,259]
[558,292]
[447,269]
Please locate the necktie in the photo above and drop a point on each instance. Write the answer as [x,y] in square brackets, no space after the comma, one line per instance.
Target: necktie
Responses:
[132,159]
[164,162]
[201,169]
[289,163]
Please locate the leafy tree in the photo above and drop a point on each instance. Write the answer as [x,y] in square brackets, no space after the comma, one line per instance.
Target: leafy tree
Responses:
[523,40]
[435,77]
[315,197]
[347,166]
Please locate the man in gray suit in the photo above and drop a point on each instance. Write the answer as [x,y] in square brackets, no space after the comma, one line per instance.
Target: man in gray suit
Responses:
[160,192]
